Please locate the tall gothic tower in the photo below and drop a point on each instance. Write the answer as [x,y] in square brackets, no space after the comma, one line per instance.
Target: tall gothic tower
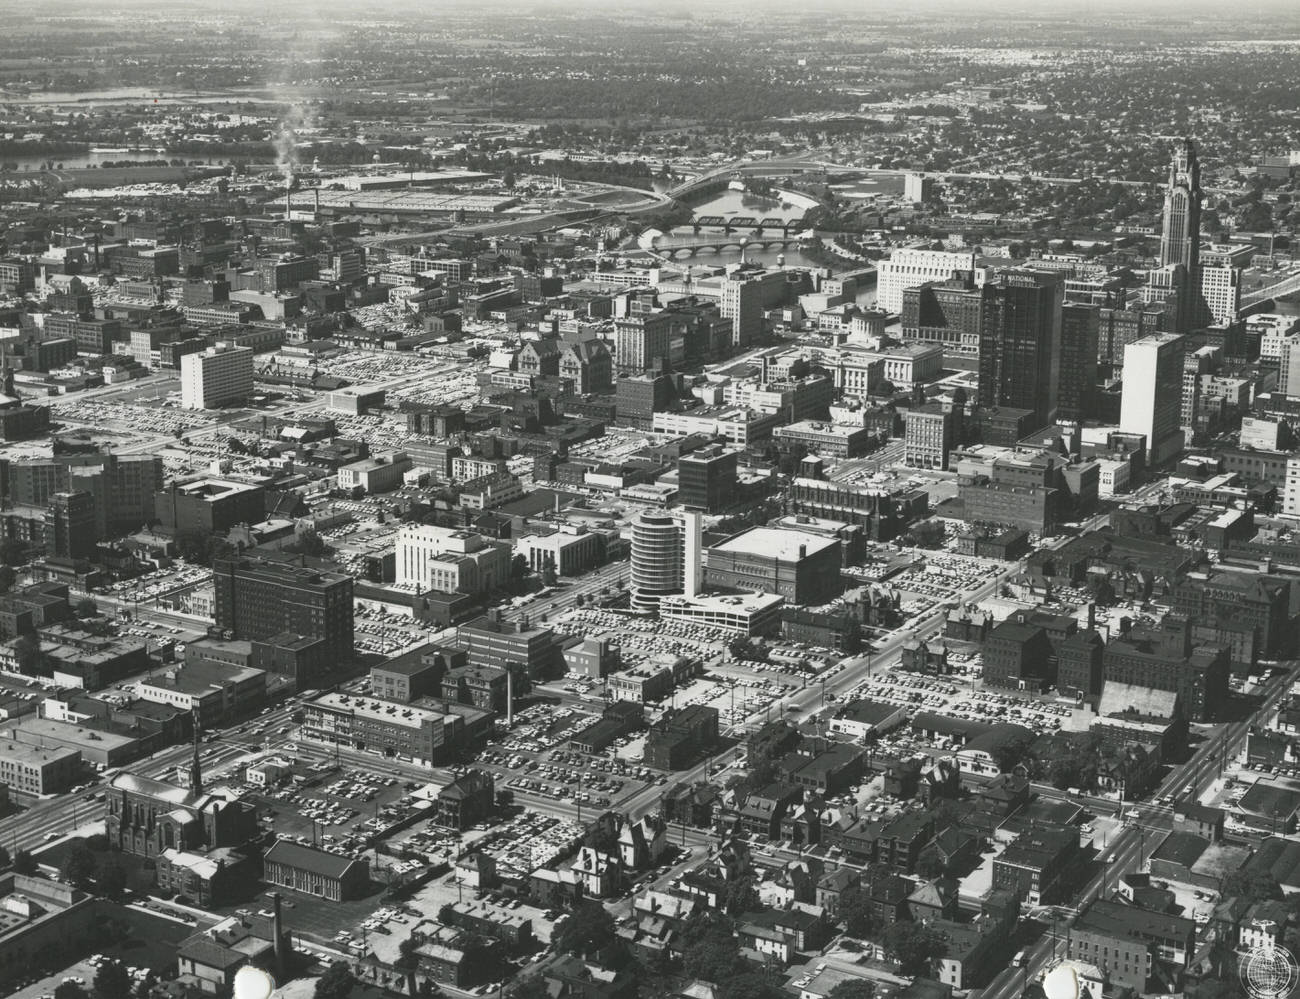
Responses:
[1180,243]
[196,763]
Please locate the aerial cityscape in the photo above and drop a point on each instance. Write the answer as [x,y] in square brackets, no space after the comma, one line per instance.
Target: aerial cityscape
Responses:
[650,501]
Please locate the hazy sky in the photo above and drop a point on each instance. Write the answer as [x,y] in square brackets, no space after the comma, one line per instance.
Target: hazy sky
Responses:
[1074,9]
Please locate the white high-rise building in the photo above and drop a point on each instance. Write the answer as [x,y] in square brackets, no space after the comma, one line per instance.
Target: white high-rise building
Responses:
[216,377]
[1288,372]
[666,557]
[1220,294]
[1152,398]
[913,268]
[1291,488]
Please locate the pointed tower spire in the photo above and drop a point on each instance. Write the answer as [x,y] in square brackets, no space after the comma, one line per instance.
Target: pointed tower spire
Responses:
[196,765]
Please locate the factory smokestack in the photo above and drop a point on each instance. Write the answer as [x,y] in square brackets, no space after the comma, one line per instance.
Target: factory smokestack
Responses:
[277,928]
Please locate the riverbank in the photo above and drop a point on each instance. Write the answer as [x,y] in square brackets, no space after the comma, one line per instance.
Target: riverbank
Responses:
[798,199]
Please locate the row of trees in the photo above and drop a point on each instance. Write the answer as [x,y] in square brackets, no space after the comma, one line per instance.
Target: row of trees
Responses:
[112,981]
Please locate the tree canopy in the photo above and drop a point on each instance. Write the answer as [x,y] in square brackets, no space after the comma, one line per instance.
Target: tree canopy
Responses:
[78,864]
[712,951]
[1253,886]
[531,987]
[742,896]
[856,912]
[753,984]
[112,981]
[853,988]
[915,945]
[337,982]
[112,880]
[589,928]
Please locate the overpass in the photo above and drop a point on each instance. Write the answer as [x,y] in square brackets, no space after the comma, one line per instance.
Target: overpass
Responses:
[720,177]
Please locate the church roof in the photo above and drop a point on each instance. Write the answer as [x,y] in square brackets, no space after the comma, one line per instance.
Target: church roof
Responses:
[159,790]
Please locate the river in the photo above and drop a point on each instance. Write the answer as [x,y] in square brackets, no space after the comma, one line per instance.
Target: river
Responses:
[730,203]
[80,161]
[131,95]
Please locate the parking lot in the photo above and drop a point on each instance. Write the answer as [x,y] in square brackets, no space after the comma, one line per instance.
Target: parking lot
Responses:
[961,696]
[340,816]
[529,841]
[137,417]
[159,583]
[384,631]
[942,576]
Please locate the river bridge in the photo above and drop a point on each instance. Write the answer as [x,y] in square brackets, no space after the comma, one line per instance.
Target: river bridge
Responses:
[673,248]
[771,223]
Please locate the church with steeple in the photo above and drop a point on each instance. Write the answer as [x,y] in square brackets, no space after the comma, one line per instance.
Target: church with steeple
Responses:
[147,816]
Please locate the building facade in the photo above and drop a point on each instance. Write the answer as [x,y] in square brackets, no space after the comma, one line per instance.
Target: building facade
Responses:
[258,598]
[1020,342]
[216,377]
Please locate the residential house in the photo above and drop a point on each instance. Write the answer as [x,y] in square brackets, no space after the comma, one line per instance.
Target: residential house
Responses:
[932,900]
[600,874]
[642,843]
[569,977]
[832,886]
[466,801]
[1128,771]
[1201,820]
[760,816]
[976,952]
[1265,924]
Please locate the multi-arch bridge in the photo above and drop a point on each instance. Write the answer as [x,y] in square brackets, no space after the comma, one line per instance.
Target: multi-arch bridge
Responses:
[676,248]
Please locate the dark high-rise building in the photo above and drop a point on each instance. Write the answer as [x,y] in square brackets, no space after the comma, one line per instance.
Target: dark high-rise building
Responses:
[1080,327]
[122,486]
[1180,239]
[706,479]
[70,525]
[944,312]
[1120,326]
[1180,242]
[258,598]
[638,397]
[1020,342]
